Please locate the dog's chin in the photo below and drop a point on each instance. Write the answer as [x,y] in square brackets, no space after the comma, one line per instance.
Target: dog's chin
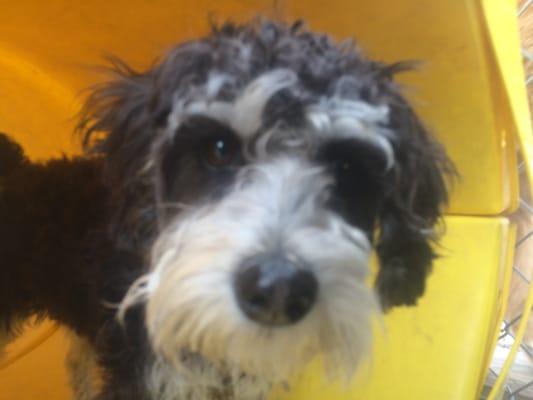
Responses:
[273,354]
[336,332]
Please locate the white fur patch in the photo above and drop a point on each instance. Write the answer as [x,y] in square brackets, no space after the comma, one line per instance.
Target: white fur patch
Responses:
[198,380]
[248,109]
[336,117]
[215,82]
[333,117]
[189,292]
[244,114]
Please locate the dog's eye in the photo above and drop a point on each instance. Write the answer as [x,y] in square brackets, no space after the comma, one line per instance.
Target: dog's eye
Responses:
[348,157]
[220,152]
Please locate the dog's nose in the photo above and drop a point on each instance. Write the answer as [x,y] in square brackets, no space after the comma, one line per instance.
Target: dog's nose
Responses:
[275,291]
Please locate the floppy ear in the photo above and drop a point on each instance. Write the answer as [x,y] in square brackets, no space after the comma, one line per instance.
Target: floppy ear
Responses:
[118,123]
[411,210]
[116,120]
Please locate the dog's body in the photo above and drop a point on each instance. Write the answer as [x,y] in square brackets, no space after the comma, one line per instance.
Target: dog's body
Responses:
[230,210]
[55,220]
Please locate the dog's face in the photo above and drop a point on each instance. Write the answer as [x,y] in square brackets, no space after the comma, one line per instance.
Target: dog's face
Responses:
[272,161]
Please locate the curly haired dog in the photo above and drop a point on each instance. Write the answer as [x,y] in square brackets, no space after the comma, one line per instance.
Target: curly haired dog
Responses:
[216,235]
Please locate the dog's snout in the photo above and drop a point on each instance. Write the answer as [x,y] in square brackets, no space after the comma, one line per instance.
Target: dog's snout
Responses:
[274,290]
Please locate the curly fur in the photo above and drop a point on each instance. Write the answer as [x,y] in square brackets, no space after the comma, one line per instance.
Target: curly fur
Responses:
[133,107]
[80,236]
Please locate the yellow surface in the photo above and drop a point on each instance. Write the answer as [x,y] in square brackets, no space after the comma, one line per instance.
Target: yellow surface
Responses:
[458,91]
[502,40]
[435,351]
[470,93]
[39,374]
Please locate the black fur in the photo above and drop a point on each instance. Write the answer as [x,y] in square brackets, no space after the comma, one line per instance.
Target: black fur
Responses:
[75,233]
[360,180]
[59,261]
[131,107]
[11,155]
[412,209]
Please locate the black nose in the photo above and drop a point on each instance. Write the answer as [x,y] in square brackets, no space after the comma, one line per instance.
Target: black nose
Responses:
[275,291]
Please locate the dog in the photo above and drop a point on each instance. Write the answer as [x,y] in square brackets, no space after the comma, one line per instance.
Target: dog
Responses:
[215,235]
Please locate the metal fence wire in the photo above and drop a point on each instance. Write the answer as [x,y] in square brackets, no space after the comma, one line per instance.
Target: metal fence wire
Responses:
[519,382]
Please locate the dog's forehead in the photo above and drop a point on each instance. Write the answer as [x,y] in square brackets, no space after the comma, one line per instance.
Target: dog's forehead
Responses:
[321,117]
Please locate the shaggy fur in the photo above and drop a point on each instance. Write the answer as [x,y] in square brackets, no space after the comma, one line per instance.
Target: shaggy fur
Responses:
[258,140]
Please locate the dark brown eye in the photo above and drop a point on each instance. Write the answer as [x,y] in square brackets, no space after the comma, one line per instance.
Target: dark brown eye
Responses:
[220,152]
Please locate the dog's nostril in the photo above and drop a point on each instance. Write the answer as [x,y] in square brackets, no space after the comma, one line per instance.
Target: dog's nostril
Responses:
[274,291]
[259,301]
[302,295]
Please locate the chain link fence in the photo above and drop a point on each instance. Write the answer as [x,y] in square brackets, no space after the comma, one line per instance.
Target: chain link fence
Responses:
[519,384]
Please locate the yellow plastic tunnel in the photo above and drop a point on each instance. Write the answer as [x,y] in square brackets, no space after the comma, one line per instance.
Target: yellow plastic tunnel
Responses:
[469,91]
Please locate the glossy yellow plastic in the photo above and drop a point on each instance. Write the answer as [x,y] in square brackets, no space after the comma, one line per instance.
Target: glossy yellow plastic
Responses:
[439,349]
[469,91]
[459,90]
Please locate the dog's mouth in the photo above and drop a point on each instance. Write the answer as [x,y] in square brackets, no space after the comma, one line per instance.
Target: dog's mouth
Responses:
[272,337]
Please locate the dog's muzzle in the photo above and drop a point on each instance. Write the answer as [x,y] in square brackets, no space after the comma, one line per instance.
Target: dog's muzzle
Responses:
[272,290]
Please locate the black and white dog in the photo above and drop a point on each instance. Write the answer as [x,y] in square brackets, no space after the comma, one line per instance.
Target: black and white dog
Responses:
[216,236]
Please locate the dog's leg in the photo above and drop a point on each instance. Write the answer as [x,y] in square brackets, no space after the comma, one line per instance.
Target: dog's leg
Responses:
[52,239]
[59,261]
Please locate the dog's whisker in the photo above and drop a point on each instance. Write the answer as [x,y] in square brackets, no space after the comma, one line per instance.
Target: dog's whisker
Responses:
[111,305]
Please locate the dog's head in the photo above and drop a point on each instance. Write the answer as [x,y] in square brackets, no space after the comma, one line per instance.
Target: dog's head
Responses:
[261,165]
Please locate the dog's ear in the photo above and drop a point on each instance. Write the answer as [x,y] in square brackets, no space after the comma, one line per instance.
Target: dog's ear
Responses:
[119,122]
[412,208]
